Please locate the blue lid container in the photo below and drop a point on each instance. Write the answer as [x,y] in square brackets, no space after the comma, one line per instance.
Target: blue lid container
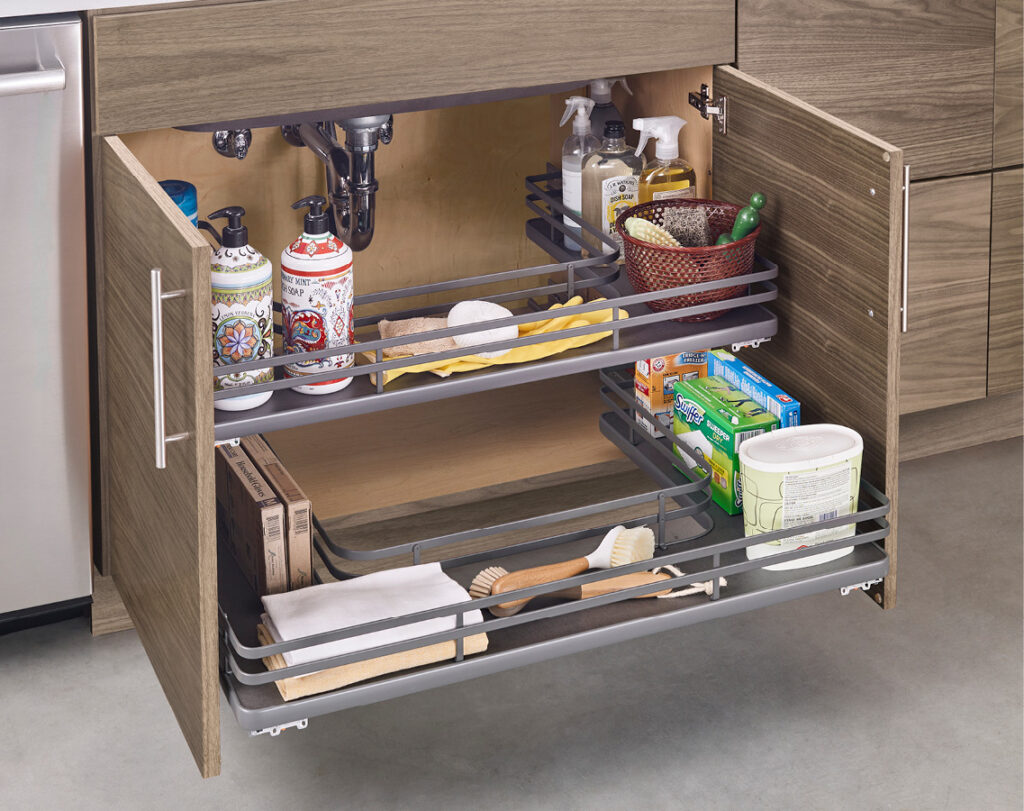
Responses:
[183,194]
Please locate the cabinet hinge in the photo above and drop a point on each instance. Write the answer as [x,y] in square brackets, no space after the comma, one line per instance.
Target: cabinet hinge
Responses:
[702,102]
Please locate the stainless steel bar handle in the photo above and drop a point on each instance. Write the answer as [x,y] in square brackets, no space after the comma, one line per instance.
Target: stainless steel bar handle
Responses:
[906,246]
[33,81]
[157,301]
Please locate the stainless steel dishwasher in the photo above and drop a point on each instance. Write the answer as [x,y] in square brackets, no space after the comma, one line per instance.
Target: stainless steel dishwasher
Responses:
[45,557]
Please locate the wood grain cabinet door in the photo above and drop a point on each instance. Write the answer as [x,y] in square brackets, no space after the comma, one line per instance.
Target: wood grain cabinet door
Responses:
[1008,112]
[917,74]
[1006,283]
[160,522]
[833,224]
[945,346]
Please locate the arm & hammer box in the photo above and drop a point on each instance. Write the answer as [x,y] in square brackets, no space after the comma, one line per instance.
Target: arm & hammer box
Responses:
[297,510]
[253,519]
[654,379]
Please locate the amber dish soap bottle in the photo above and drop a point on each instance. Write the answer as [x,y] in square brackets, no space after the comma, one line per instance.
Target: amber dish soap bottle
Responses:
[316,299]
[611,177]
[243,309]
[667,176]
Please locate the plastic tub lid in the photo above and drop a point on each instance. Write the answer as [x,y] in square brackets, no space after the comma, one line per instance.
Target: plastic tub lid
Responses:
[801,447]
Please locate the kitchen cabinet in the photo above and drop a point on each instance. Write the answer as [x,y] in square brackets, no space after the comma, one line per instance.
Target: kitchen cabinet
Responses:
[944,350]
[1005,324]
[834,340]
[943,82]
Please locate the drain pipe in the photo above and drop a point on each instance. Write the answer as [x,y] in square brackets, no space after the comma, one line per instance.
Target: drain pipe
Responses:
[351,184]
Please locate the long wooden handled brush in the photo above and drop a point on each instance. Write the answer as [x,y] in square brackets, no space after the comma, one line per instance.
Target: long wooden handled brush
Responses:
[619,547]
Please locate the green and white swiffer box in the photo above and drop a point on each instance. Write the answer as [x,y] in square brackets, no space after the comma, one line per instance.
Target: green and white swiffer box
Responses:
[714,418]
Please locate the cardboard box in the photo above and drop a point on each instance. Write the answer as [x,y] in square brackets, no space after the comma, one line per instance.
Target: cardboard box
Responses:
[655,378]
[253,519]
[715,418]
[298,512]
[761,390]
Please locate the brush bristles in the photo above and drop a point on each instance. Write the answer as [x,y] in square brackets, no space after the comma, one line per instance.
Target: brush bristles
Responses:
[632,545]
[481,585]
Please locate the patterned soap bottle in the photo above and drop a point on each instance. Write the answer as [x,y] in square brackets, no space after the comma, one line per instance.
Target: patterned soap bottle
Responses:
[316,299]
[243,309]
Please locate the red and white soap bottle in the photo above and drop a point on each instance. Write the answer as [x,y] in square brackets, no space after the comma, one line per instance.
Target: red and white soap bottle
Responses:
[316,299]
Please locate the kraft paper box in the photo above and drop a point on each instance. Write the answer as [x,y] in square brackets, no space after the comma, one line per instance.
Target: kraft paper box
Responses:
[297,511]
[715,418]
[655,378]
[253,518]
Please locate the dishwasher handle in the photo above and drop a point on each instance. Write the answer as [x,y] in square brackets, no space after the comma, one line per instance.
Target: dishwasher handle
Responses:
[42,80]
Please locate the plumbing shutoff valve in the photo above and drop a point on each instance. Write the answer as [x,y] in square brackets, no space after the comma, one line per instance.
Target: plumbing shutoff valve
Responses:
[232,143]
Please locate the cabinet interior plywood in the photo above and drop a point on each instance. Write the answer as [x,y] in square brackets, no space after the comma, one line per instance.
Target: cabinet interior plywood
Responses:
[946,344]
[1008,113]
[918,74]
[1006,284]
[450,205]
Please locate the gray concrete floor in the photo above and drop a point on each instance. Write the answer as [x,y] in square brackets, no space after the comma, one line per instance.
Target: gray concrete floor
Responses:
[825,702]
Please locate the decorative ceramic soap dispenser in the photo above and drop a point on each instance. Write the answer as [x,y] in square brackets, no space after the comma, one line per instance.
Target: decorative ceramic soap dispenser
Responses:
[316,299]
[243,309]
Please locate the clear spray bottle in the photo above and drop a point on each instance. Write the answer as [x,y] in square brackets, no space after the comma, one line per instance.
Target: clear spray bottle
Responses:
[667,176]
[575,149]
[604,109]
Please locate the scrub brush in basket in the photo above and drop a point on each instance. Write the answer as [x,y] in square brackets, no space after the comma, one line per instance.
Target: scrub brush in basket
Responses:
[648,231]
[619,547]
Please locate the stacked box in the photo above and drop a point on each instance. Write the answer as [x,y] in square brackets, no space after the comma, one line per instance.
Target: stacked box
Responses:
[297,511]
[252,518]
[761,390]
[715,418]
[655,378]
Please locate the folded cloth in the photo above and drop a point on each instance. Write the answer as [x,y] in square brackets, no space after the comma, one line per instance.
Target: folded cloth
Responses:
[519,354]
[377,596]
[411,326]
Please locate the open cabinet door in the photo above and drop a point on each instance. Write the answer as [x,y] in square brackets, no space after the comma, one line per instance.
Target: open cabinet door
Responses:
[160,522]
[833,224]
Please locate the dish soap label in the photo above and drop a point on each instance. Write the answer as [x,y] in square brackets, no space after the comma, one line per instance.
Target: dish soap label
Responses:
[316,300]
[617,194]
[681,190]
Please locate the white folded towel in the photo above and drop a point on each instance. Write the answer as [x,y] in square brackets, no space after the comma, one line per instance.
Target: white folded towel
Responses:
[377,596]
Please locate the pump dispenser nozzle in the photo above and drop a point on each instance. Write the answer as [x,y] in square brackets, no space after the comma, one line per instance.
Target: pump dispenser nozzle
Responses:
[581,106]
[315,222]
[601,89]
[666,129]
[234,235]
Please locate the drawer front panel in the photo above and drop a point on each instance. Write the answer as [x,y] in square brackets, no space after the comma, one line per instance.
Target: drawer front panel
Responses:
[916,74]
[945,348]
[1005,323]
[1008,135]
[180,66]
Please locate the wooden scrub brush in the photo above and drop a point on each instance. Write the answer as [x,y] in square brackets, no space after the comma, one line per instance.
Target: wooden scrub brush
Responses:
[619,547]
[648,231]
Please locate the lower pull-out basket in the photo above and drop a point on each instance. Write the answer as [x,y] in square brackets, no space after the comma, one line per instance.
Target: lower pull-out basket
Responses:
[692,534]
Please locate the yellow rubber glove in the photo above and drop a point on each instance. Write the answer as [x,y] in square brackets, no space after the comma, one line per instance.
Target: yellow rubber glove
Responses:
[519,354]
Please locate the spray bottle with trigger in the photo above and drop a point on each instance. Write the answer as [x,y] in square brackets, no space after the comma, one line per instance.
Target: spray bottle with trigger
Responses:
[667,176]
[604,110]
[575,149]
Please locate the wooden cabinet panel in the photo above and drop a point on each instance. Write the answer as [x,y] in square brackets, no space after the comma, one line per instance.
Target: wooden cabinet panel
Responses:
[179,66]
[161,522]
[839,360]
[945,347]
[916,74]
[1008,129]
[1006,283]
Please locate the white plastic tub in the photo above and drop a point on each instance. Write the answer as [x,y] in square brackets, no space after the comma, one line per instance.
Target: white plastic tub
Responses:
[797,476]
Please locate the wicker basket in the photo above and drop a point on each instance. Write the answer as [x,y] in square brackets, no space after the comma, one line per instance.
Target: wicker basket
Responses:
[653,267]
